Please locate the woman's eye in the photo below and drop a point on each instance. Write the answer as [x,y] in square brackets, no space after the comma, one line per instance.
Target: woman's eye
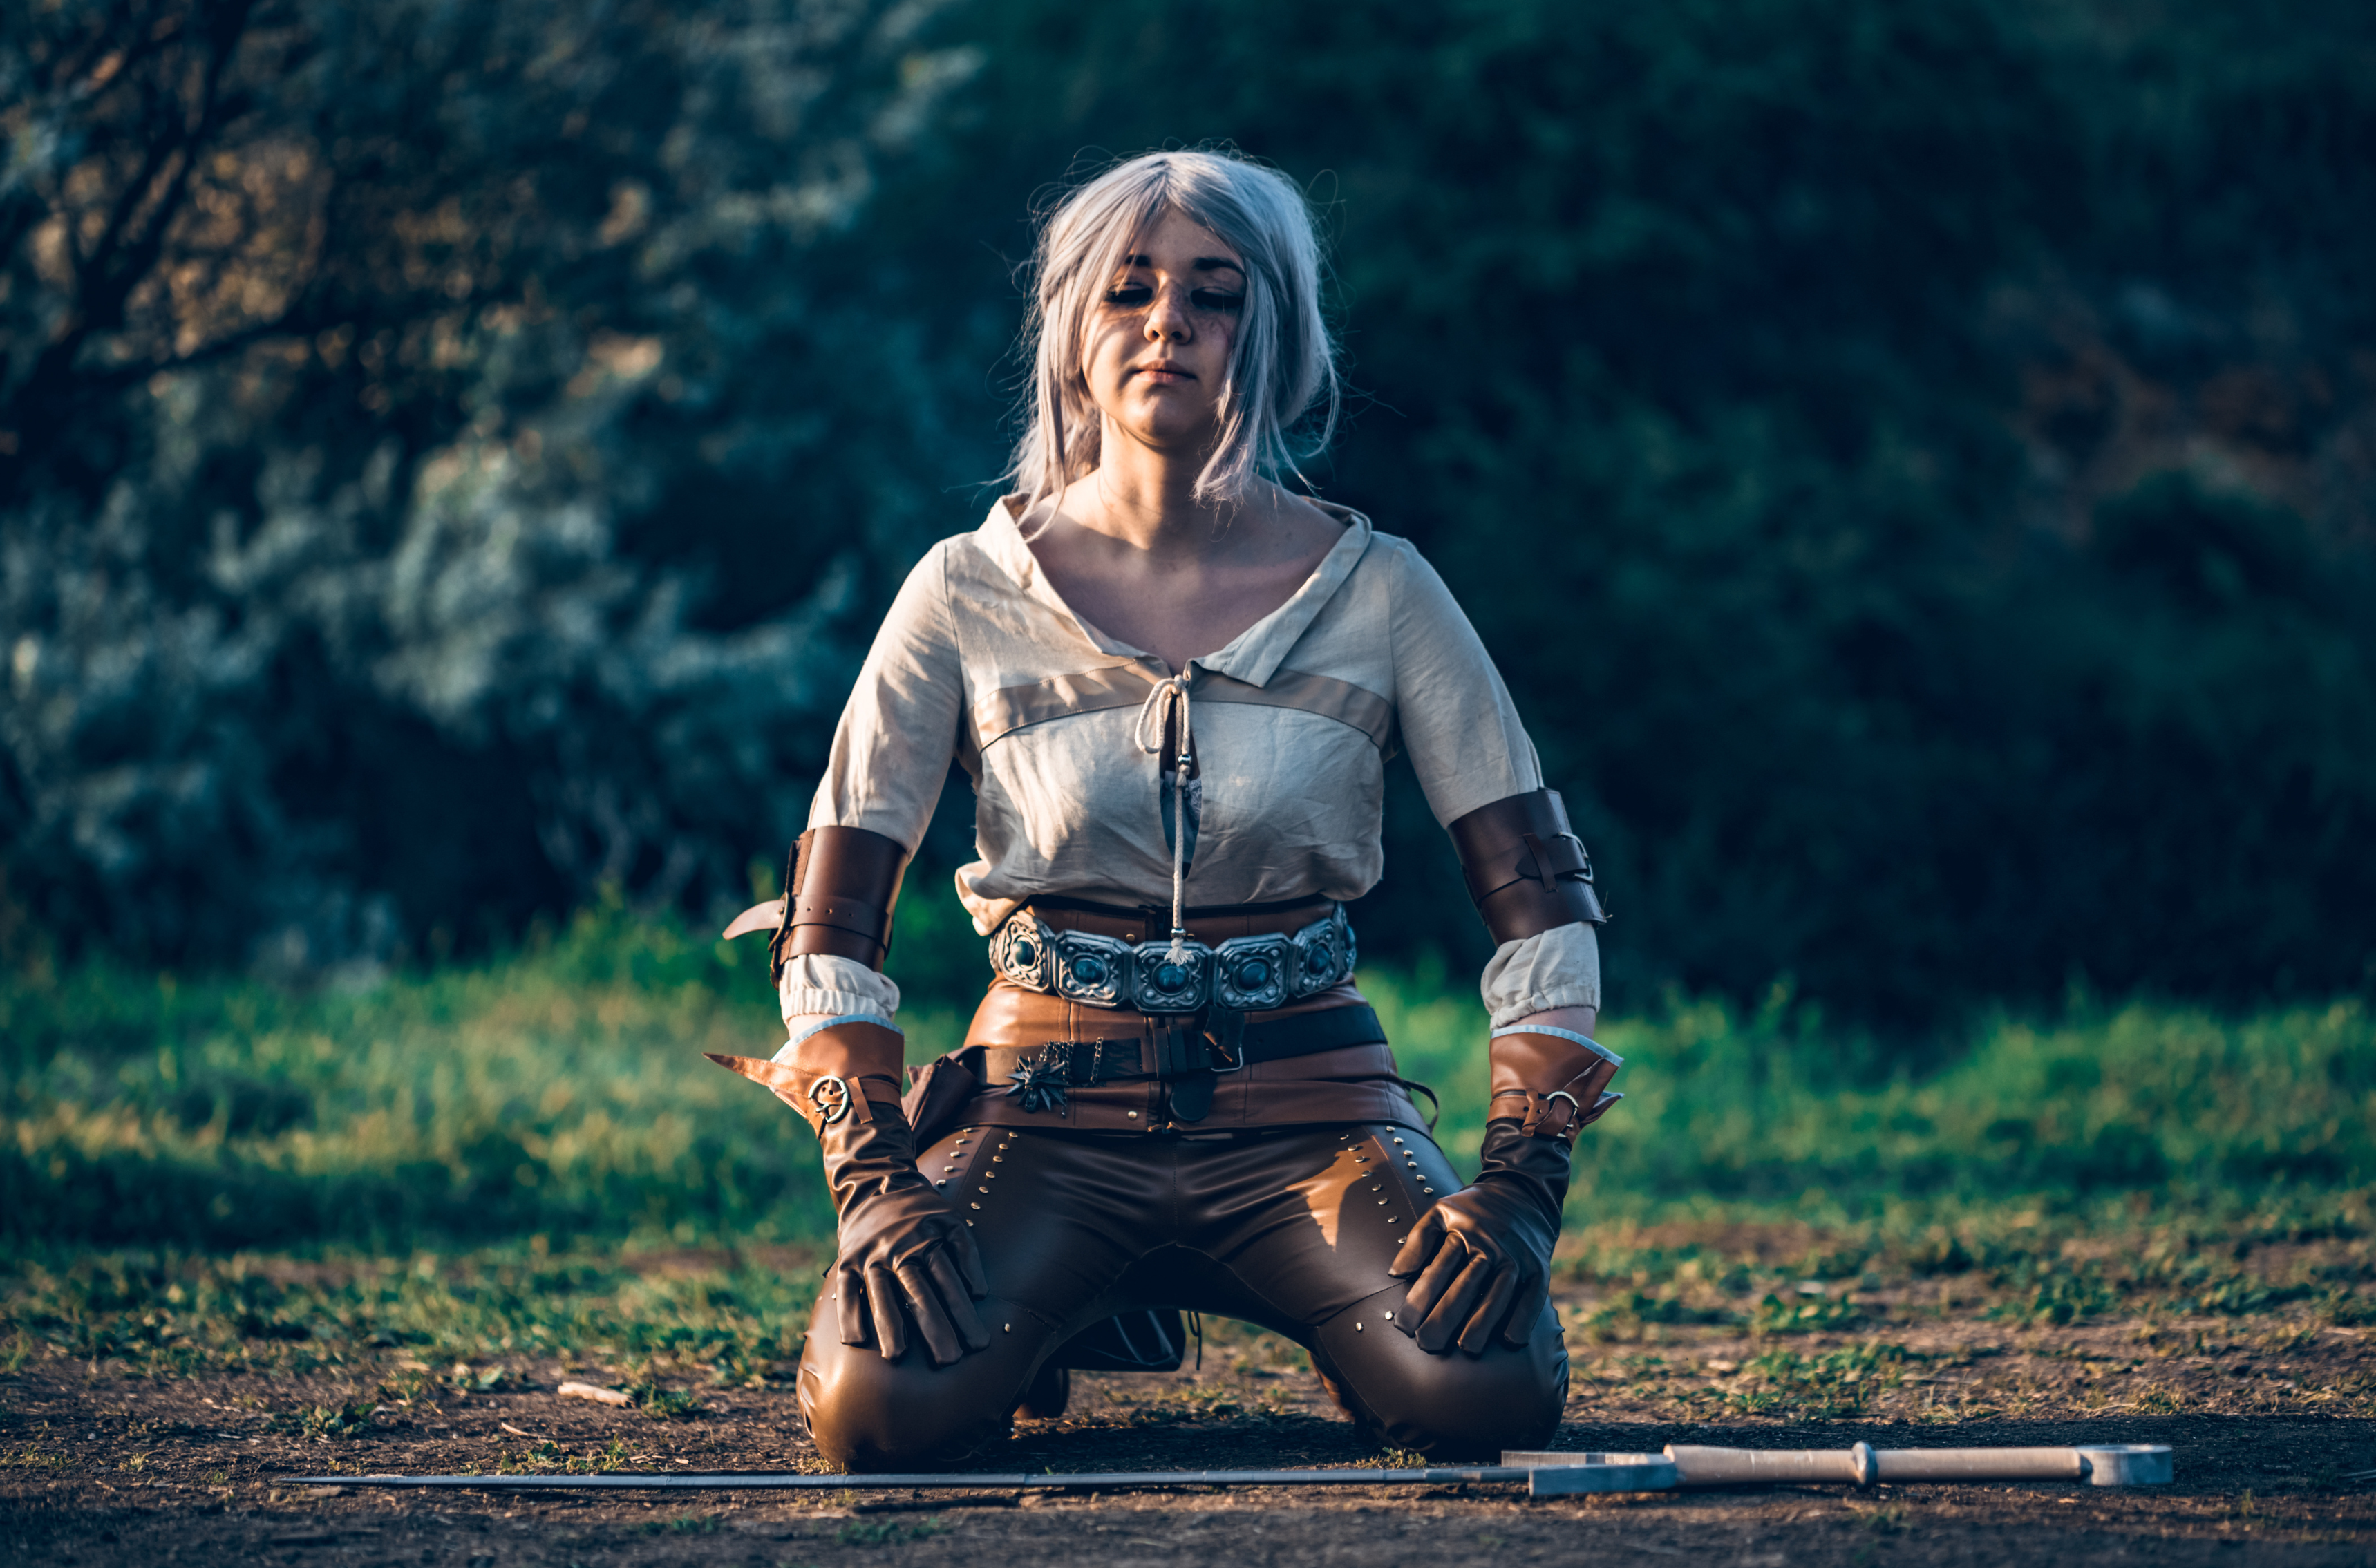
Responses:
[1217,299]
[1129,294]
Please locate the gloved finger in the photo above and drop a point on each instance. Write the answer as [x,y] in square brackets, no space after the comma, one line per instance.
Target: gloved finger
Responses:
[969,1261]
[923,1303]
[1437,1276]
[1419,1245]
[950,1282]
[1437,1331]
[1534,1289]
[1477,1331]
[883,1303]
[849,1305]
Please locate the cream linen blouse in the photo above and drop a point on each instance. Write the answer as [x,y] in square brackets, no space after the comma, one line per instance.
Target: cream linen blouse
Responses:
[979,662]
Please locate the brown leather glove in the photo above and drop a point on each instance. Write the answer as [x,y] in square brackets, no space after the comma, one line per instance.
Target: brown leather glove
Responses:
[1482,1256]
[903,1256]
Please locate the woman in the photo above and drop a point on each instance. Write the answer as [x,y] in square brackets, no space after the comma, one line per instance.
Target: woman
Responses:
[1175,685]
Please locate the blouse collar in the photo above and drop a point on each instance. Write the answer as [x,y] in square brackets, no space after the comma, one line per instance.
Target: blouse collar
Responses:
[1253,655]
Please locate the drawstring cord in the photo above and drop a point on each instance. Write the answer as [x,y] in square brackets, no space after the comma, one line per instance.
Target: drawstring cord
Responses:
[1171,696]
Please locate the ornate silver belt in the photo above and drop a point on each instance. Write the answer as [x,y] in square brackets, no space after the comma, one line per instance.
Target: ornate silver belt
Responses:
[1245,974]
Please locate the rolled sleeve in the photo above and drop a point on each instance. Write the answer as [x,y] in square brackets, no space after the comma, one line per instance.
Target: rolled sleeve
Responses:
[817,983]
[1559,968]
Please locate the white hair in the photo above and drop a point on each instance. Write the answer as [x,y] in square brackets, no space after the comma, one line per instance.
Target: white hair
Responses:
[1284,365]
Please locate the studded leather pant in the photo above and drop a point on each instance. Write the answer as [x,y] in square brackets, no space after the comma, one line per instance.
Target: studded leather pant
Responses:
[1290,1228]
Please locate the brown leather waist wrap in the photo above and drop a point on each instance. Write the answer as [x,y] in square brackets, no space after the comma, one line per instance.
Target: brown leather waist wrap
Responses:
[836,1075]
[1353,1084]
[1527,872]
[1551,1086]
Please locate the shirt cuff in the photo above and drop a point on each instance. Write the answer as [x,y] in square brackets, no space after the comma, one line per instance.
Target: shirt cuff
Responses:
[821,982]
[785,1052]
[1559,968]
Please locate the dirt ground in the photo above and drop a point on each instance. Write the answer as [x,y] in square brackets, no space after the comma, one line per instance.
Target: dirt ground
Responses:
[2270,1416]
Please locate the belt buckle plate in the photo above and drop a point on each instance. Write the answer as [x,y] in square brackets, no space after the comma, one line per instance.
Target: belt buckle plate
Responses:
[1324,952]
[1091,968]
[1158,985]
[1252,974]
[1023,951]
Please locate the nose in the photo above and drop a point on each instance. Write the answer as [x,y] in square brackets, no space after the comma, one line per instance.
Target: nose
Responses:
[1167,316]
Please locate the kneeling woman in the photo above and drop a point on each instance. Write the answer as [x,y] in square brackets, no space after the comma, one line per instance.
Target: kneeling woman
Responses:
[1175,685]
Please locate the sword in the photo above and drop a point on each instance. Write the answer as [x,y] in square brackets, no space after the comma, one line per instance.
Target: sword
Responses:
[1544,1473]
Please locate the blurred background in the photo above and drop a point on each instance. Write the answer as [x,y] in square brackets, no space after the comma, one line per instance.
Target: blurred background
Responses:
[1915,463]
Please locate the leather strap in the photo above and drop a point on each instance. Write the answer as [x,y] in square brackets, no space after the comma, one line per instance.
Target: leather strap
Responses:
[1526,872]
[1182,1050]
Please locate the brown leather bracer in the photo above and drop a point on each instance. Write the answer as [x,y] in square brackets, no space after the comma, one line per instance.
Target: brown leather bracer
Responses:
[1551,1086]
[840,885]
[1526,872]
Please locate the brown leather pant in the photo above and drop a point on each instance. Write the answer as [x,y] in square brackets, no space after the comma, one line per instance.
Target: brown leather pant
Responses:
[1290,1228]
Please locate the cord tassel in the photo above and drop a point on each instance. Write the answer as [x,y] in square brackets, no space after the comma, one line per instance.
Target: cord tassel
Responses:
[1169,697]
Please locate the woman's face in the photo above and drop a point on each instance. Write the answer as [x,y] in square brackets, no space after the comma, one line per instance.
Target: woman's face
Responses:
[1158,341]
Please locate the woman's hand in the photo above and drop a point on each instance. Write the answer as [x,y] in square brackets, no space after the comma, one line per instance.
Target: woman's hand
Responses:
[1479,1260]
[1483,1255]
[903,1256]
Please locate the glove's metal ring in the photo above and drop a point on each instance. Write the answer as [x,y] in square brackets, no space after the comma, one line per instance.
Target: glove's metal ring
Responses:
[830,1095]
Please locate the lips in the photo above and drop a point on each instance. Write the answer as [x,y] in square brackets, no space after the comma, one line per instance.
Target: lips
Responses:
[1165,373]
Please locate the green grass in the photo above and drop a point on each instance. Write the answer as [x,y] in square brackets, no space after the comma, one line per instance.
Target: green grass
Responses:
[462,1325]
[560,1092]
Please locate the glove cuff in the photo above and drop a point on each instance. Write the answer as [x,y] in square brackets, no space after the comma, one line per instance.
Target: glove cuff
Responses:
[1552,1083]
[842,1076]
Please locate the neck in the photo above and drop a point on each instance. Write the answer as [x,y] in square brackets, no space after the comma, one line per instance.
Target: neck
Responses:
[1146,496]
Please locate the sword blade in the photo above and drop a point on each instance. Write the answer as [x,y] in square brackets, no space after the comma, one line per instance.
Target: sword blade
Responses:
[761,1481]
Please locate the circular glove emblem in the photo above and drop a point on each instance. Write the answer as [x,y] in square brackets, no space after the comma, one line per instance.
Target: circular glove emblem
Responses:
[830,1095]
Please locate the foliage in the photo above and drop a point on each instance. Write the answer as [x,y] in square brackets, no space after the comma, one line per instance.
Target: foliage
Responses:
[351,355]
[1910,460]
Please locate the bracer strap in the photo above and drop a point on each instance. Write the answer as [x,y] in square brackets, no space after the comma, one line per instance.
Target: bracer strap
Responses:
[1526,872]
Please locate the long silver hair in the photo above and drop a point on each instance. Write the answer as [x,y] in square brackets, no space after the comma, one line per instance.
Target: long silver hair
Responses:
[1282,369]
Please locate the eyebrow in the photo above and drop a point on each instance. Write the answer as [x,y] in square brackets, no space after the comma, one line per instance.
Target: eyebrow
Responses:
[1202,264]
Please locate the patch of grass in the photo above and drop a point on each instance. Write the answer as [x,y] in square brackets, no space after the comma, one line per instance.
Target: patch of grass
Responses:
[2055,1295]
[33,1459]
[560,1091]
[1625,1317]
[664,1404]
[729,1318]
[1817,1387]
[549,1457]
[350,1418]
[684,1524]
[1805,1314]
[885,1532]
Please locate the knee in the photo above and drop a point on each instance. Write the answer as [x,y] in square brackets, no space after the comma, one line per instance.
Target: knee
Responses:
[868,1416]
[1453,1406]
